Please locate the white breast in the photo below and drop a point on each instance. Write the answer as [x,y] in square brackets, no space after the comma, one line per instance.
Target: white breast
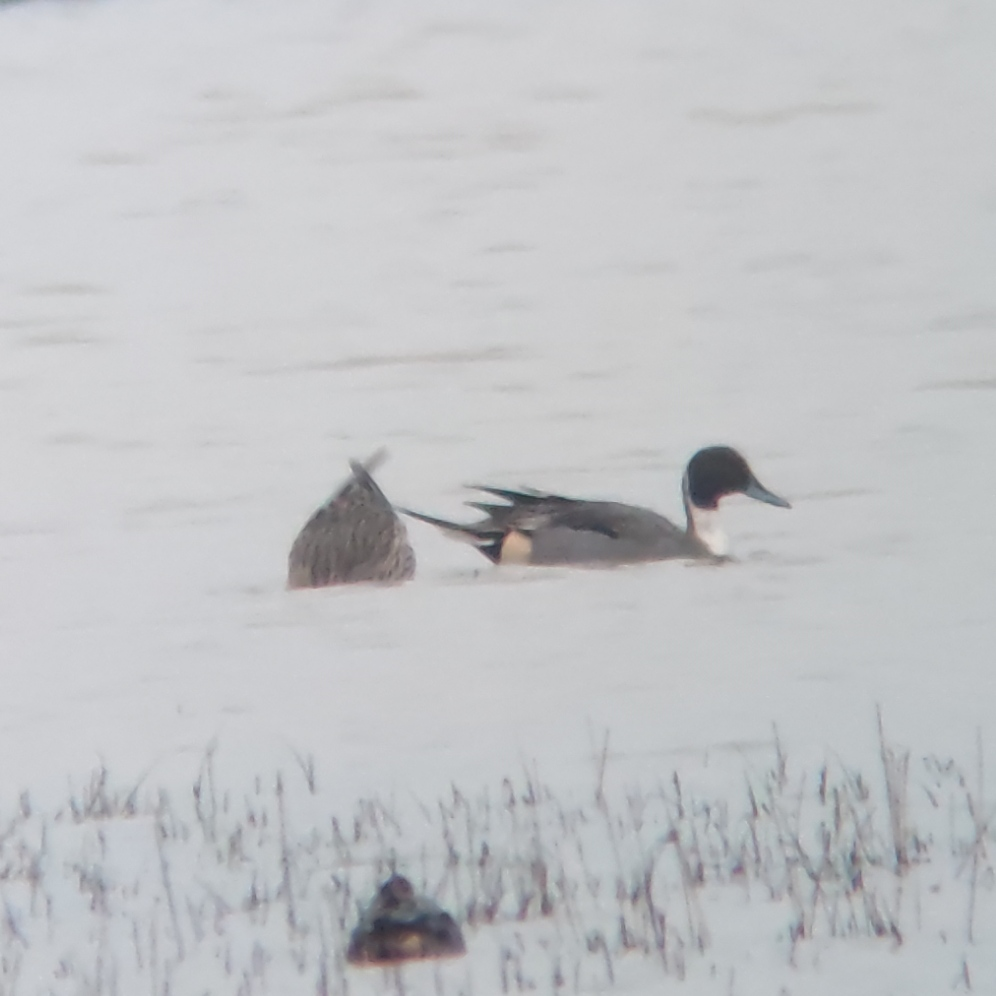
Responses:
[710,531]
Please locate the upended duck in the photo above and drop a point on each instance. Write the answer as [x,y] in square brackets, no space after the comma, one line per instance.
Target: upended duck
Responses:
[355,536]
[534,527]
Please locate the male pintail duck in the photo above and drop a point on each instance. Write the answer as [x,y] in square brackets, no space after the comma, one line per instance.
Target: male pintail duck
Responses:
[533,527]
[355,536]
[400,925]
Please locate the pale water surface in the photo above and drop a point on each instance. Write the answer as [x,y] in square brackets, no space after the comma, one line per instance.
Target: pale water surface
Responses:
[551,244]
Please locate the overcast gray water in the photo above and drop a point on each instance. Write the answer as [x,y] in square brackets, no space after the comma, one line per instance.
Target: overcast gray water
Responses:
[240,244]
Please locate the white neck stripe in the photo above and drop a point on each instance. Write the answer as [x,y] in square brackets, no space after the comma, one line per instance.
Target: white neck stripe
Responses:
[705,522]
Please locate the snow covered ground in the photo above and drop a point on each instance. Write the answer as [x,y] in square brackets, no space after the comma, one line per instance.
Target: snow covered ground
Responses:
[559,244]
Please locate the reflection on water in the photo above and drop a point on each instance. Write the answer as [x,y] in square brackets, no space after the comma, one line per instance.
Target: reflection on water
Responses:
[780,115]
[569,272]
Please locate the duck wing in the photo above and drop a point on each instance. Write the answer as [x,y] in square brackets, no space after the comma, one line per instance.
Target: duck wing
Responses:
[563,530]
[536,527]
[531,511]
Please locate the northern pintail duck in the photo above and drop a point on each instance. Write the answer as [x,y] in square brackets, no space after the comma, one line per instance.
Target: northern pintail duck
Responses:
[533,527]
[400,924]
[355,536]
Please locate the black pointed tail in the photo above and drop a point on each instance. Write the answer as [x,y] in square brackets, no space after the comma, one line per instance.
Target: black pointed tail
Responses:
[484,537]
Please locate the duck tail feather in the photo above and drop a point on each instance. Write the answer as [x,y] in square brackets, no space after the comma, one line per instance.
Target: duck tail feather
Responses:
[522,496]
[486,539]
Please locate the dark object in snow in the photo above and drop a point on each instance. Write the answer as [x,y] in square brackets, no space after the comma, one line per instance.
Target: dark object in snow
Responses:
[355,536]
[400,925]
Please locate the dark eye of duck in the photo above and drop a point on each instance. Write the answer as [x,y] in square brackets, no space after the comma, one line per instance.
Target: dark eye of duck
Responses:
[714,472]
